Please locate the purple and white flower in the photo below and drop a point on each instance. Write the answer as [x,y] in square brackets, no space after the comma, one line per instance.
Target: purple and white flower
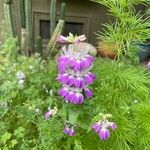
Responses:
[73,67]
[148,65]
[102,128]
[104,133]
[88,93]
[69,131]
[50,113]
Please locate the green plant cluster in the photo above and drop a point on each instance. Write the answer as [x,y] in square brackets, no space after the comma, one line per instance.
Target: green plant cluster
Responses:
[121,89]
[129,27]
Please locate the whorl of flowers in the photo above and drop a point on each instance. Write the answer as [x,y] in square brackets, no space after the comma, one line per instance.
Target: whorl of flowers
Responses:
[74,67]
[102,127]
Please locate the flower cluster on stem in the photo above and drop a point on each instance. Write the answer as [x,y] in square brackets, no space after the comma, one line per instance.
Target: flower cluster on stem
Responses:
[102,127]
[74,71]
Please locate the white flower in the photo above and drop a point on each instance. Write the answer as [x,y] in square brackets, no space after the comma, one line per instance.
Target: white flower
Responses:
[44,86]
[31,67]
[37,110]
[135,101]
[21,84]
[20,75]
[51,92]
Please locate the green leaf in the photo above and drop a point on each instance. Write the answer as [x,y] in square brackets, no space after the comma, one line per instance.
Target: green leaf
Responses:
[73,116]
[19,132]
[13,142]
[78,144]
[5,137]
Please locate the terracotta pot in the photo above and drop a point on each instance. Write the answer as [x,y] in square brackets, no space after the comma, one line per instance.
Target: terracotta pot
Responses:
[106,54]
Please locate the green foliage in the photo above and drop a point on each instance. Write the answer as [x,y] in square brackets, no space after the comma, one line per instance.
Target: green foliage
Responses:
[129,29]
[141,119]
[39,45]
[10,48]
[10,18]
[121,89]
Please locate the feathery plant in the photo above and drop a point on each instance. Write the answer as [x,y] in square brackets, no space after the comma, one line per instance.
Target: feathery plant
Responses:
[129,28]
[123,90]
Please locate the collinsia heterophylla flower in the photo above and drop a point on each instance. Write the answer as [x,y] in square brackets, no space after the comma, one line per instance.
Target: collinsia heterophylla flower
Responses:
[148,65]
[69,130]
[74,67]
[101,128]
[50,113]
[71,39]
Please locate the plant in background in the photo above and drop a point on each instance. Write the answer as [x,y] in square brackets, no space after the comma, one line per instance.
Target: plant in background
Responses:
[10,18]
[129,29]
[26,39]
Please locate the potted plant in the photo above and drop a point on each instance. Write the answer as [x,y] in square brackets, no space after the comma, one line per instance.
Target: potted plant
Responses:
[110,44]
[129,29]
[107,49]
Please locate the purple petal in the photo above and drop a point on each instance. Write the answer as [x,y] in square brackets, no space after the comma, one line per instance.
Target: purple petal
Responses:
[48,114]
[60,77]
[62,39]
[77,66]
[72,132]
[85,63]
[104,133]
[65,78]
[92,75]
[88,79]
[66,130]
[96,127]
[60,59]
[88,93]
[81,99]
[62,67]
[68,97]
[79,83]
[70,81]
[78,99]
[72,62]
[91,58]
[112,125]
[72,97]
[63,92]
[148,65]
